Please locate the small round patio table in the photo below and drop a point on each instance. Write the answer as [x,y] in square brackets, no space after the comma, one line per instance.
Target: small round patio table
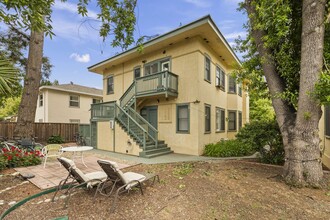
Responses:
[76,150]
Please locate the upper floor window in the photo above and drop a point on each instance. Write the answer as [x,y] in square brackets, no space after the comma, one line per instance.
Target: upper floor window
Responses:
[232,121]
[41,100]
[95,101]
[231,84]
[137,72]
[240,89]
[182,112]
[157,66]
[110,85]
[327,120]
[207,76]
[220,119]
[220,78]
[74,101]
[207,119]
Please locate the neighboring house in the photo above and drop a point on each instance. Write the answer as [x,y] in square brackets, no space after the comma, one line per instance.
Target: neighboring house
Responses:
[177,90]
[324,125]
[66,103]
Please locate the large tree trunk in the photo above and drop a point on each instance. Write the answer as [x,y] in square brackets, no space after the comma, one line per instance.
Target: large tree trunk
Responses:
[299,129]
[27,108]
[303,164]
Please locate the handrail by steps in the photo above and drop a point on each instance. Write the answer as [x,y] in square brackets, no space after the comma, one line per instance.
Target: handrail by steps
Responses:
[155,139]
[137,124]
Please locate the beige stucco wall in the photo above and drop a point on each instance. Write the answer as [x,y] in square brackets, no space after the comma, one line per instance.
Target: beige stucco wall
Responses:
[325,142]
[187,61]
[56,107]
[104,136]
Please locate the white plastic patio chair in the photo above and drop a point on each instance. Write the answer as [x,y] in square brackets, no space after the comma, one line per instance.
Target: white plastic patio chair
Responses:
[51,150]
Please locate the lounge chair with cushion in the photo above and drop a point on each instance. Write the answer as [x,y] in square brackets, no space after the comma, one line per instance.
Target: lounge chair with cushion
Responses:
[51,150]
[78,178]
[124,181]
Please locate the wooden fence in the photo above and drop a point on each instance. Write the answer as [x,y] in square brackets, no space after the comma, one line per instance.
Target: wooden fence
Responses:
[43,130]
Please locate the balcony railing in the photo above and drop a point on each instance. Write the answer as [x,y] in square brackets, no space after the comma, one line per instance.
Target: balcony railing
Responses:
[155,84]
[163,82]
[103,111]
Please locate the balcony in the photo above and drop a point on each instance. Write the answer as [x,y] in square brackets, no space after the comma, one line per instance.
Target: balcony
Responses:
[159,84]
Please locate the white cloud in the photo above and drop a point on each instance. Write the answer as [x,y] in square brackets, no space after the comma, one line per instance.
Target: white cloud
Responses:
[235,35]
[199,3]
[84,58]
[72,8]
[74,30]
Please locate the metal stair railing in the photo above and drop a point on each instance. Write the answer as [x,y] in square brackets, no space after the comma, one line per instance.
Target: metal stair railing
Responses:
[130,123]
[151,130]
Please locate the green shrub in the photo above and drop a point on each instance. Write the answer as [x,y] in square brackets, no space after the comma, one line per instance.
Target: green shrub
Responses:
[55,139]
[230,148]
[257,134]
[3,162]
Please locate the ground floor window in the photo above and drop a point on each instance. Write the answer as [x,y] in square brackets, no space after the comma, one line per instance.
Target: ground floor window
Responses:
[327,121]
[232,120]
[182,124]
[220,119]
[207,119]
[240,120]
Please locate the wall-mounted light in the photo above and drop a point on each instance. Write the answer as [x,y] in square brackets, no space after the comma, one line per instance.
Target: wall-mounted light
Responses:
[196,101]
[144,61]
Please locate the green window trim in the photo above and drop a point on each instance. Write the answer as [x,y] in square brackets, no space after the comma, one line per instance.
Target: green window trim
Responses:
[220,78]
[207,125]
[157,66]
[240,120]
[137,72]
[220,119]
[327,121]
[232,120]
[240,89]
[183,118]
[232,87]
[110,85]
[207,74]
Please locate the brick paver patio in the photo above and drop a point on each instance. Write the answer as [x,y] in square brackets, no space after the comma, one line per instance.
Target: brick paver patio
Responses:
[53,173]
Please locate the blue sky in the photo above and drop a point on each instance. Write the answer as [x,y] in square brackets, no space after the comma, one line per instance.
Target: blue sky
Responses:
[77,45]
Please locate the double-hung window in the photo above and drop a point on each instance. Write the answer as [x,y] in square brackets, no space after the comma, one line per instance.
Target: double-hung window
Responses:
[240,120]
[207,119]
[231,84]
[240,89]
[182,124]
[95,101]
[137,72]
[110,85]
[220,78]
[327,120]
[41,100]
[220,119]
[207,76]
[74,101]
[232,121]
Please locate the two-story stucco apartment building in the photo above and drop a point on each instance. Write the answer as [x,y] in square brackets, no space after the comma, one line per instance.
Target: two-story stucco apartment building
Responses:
[324,125]
[176,95]
[66,103]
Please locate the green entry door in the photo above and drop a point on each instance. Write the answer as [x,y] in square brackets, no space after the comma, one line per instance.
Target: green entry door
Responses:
[150,114]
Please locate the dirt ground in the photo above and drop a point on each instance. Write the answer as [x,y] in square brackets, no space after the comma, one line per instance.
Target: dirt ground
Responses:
[199,190]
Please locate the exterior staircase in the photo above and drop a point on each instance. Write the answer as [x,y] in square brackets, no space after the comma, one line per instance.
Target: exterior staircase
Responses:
[139,129]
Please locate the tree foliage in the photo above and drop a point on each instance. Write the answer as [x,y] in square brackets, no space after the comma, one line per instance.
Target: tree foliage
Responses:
[9,107]
[284,51]
[8,77]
